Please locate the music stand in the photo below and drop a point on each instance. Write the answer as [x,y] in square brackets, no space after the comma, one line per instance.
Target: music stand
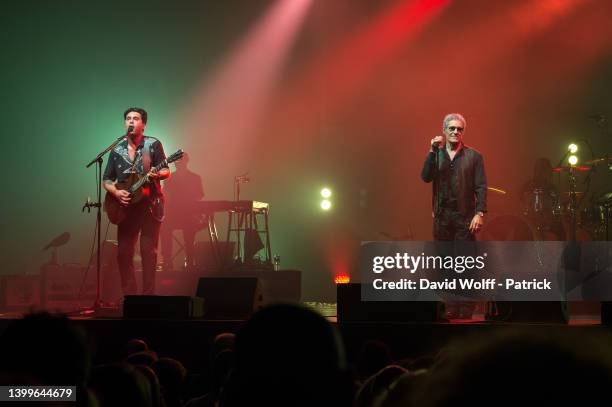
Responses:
[55,243]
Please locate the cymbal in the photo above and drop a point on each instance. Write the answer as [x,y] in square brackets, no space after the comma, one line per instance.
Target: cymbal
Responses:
[497,190]
[605,198]
[568,167]
[596,161]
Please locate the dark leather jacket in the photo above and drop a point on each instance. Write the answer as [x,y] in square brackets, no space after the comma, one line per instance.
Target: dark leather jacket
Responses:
[471,179]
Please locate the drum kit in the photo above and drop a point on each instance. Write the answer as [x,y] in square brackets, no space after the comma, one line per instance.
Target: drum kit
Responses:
[550,213]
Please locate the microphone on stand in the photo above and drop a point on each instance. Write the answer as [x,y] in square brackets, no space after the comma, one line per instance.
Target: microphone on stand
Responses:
[242,178]
[127,133]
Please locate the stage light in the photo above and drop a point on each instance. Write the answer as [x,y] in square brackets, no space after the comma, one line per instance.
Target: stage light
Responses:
[326,204]
[572,148]
[326,193]
[342,279]
[573,160]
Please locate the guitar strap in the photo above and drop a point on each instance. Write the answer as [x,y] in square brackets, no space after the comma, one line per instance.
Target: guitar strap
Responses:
[157,202]
[146,155]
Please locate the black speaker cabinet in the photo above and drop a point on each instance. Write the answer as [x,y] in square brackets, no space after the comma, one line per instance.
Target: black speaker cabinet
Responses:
[166,307]
[606,313]
[276,286]
[230,297]
[352,309]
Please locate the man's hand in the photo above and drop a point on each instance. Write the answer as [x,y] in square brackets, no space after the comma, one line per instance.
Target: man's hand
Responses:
[476,223]
[161,174]
[123,197]
[436,142]
[153,173]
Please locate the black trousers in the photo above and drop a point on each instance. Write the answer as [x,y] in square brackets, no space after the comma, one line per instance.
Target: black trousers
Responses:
[139,221]
[449,224]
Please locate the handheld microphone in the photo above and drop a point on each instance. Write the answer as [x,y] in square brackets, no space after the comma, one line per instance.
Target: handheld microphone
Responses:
[130,129]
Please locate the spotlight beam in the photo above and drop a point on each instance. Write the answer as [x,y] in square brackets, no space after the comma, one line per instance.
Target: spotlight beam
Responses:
[228,107]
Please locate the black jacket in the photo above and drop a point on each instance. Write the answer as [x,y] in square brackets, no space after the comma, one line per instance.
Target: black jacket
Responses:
[471,179]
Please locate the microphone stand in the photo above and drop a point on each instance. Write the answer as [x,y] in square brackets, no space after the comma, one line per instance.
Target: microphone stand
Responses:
[98,204]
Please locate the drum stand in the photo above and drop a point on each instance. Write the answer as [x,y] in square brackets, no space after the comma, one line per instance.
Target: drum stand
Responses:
[572,203]
[607,208]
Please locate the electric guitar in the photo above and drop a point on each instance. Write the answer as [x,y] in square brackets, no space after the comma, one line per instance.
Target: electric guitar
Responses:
[117,211]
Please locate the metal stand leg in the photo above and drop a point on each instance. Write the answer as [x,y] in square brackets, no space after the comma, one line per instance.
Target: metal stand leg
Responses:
[214,240]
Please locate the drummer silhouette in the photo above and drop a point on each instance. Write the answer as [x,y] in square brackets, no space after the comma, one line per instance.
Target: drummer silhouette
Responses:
[542,204]
[182,192]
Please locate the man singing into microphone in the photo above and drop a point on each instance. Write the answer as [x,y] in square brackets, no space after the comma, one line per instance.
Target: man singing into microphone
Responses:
[459,183]
[459,186]
[137,154]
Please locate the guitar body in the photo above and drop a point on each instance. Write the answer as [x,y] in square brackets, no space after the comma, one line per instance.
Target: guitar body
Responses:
[115,211]
[135,185]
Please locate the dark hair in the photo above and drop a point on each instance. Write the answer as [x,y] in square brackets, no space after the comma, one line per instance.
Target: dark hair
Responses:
[143,113]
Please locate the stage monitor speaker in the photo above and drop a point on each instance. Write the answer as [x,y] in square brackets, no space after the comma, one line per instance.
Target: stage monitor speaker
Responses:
[606,313]
[276,286]
[165,307]
[230,298]
[528,311]
[352,309]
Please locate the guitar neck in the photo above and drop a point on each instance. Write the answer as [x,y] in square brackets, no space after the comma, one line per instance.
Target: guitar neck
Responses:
[144,179]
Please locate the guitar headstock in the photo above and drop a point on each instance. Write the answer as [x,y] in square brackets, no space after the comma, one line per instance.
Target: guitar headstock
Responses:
[176,156]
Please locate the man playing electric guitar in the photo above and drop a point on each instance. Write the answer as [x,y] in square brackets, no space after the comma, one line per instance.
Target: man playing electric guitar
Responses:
[133,158]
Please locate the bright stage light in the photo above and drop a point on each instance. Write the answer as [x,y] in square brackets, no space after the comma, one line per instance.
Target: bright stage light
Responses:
[572,148]
[573,160]
[326,204]
[326,193]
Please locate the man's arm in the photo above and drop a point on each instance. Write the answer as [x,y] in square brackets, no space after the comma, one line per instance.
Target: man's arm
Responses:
[480,190]
[158,157]
[109,181]
[199,188]
[480,185]
[162,174]
[122,195]
[429,167]
[428,171]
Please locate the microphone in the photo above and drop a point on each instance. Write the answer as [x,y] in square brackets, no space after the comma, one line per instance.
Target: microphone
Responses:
[435,145]
[127,133]
[242,178]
